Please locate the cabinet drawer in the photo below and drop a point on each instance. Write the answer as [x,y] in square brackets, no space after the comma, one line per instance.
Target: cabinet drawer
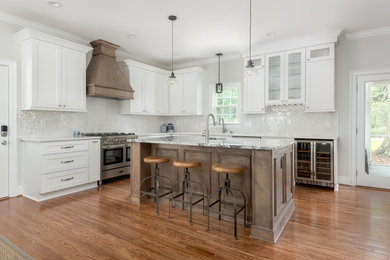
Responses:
[64,161]
[62,180]
[64,147]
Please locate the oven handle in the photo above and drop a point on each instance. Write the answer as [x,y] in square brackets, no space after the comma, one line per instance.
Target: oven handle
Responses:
[113,146]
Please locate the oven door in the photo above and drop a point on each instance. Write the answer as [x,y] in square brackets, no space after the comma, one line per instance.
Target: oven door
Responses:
[113,156]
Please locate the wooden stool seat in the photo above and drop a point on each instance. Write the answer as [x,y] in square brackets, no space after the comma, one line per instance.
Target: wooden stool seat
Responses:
[227,169]
[186,164]
[156,159]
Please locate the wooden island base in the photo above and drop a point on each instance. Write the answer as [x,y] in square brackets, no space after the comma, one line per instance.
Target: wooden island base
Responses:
[267,180]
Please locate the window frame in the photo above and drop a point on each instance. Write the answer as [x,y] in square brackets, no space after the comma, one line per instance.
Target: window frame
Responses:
[213,101]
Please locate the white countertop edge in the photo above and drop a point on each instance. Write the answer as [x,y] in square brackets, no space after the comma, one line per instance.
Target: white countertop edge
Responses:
[58,139]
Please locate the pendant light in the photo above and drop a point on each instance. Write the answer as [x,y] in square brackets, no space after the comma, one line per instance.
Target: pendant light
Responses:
[219,85]
[172,78]
[250,68]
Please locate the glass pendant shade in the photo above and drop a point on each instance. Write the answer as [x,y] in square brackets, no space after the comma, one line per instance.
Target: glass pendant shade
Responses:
[172,79]
[250,68]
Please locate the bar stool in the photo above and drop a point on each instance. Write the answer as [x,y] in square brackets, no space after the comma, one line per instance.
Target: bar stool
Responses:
[155,190]
[187,188]
[226,169]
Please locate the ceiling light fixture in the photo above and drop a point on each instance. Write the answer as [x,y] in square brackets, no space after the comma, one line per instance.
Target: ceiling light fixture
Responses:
[250,68]
[219,85]
[131,36]
[54,4]
[271,34]
[172,77]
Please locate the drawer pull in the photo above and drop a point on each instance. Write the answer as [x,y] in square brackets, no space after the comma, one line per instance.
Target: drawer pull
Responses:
[121,171]
[67,179]
[70,161]
[67,147]
[95,142]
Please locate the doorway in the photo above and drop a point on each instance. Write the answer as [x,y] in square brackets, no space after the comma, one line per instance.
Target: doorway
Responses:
[373,130]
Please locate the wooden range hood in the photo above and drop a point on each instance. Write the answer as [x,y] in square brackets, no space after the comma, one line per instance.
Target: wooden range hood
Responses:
[104,76]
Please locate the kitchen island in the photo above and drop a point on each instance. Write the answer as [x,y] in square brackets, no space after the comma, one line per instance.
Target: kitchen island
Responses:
[267,180]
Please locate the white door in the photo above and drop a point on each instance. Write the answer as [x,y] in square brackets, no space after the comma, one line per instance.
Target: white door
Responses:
[274,78]
[320,86]
[47,82]
[295,76]
[4,82]
[148,91]
[373,127]
[73,79]
[176,96]
[136,81]
[190,87]
[162,94]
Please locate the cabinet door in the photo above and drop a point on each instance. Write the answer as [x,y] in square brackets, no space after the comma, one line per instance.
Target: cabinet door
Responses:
[295,76]
[47,75]
[73,79]
[94,161]
[136,81]
[176,96]
[254,93]
[148,92]
[320,52]
[190,87]
[274,78]
[320,86]
[162,94]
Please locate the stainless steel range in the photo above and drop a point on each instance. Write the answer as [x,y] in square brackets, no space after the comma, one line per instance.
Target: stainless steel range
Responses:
[115,154]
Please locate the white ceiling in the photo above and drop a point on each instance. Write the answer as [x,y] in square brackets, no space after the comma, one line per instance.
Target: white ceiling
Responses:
[204,27]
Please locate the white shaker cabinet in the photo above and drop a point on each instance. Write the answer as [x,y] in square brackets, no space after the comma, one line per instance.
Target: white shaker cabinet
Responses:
[320,79]
[53,73]
[185,95]
[295,70]
[274,78]
[253,92]
[94,161]
[162,94]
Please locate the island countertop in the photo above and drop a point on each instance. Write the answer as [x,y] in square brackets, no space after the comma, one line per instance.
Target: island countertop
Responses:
[237,142]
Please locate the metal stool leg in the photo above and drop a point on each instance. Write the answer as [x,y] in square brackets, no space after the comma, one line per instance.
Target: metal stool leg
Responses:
[157,189]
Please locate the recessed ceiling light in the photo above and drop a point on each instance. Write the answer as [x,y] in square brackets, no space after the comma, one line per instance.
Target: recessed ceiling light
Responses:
[131,36]
[54,4]
[271,34]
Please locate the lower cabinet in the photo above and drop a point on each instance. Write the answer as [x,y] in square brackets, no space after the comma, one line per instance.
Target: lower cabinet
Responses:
[56,168]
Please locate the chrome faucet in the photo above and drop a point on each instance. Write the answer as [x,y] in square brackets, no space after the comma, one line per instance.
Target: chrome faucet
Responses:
[224,130]
[207,127]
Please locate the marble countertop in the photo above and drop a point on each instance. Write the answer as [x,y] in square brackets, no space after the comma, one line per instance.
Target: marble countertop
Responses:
[57,139]
[238,142]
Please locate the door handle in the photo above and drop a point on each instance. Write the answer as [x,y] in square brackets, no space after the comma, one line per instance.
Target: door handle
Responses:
[4,142]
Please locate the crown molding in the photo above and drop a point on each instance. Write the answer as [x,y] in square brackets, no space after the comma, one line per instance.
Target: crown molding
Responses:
[368,33]
[26,23]
[200,62]
[294,43]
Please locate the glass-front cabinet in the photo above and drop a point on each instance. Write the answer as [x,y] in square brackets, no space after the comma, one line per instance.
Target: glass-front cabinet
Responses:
[285,77]
[295,76]
[274,78]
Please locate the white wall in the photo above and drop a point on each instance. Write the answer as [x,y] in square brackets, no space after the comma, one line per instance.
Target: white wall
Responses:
[353,55]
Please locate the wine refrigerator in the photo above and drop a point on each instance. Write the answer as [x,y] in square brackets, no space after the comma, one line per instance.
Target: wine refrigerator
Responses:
[314,162]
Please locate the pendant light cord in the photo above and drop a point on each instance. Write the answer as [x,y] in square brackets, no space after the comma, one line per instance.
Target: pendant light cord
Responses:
[172,49]
[250,29]
[219,68]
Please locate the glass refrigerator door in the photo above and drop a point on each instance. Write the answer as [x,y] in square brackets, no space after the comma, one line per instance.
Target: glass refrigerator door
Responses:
[304,160]
[323,161]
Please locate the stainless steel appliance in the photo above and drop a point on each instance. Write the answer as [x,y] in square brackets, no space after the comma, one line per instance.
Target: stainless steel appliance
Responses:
[314,162]
[115,154]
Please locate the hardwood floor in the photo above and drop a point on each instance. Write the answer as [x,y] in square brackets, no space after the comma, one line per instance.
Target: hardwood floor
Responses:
[101,224]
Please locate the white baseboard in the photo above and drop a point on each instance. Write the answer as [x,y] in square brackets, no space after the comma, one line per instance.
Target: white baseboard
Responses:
[345,180]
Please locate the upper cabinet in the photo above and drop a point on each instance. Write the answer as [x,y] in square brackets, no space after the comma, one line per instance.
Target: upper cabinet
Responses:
[53,73]
[320,78]
[154,96]
[185,95]
[253,92]
[285,77]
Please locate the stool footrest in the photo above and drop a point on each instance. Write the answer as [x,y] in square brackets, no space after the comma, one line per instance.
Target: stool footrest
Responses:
[193,194]
[154,194]
[240,206]
[187,202]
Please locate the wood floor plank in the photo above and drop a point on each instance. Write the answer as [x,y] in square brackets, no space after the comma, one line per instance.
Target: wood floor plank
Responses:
[101,223]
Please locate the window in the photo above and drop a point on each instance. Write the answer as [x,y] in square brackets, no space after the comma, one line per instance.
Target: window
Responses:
[226,104]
